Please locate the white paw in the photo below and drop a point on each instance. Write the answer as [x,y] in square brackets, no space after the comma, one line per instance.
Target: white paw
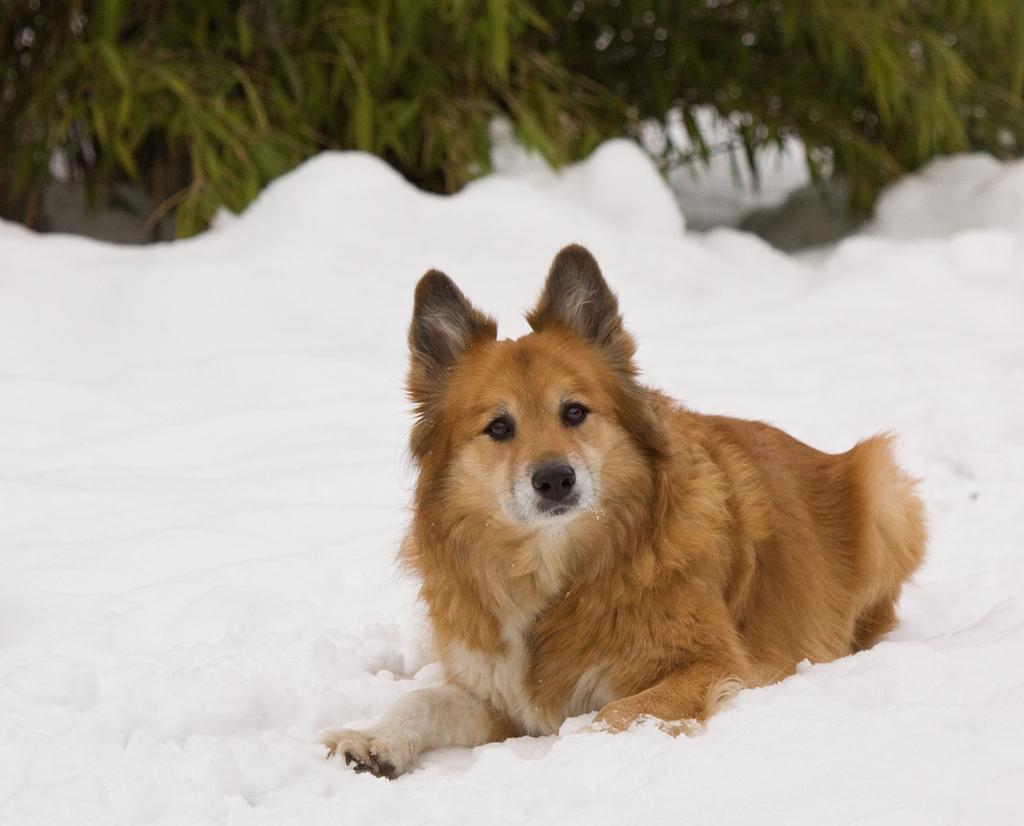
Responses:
[370,751]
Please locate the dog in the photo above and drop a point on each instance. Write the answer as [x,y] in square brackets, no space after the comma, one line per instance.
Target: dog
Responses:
[584,544]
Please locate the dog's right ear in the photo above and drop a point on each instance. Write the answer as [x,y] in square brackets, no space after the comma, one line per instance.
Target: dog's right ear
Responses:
[444,325]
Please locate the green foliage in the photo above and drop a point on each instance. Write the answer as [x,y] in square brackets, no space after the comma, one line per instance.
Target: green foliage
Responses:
[204,101]
[873,88]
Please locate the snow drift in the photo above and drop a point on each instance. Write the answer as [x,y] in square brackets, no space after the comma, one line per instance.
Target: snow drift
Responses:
[204,480]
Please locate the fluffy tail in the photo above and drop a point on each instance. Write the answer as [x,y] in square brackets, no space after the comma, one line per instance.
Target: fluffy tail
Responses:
[893,535]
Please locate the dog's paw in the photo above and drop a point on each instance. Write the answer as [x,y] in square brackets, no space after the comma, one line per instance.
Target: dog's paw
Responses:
[619,716]
[369,751]
[616,716]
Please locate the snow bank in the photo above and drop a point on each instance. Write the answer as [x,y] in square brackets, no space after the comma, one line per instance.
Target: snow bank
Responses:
[619,181]
[953,194]
[204,481]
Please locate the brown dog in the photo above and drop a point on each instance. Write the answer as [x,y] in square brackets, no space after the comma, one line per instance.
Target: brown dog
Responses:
[585,544]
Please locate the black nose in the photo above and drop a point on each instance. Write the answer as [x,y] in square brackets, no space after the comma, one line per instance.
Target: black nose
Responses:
[554,480]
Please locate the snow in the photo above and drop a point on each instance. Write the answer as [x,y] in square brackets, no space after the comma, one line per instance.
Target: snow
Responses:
[617,182]
[723,191]
[204,481]
[955,194]
[718,192]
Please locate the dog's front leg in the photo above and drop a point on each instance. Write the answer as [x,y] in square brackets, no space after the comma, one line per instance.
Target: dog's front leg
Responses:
[419,721]
[691,694]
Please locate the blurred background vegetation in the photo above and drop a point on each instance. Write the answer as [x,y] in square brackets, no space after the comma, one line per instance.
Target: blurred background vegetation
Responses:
[202,102]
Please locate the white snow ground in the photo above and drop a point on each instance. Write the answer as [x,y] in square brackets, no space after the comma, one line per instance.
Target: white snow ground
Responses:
[203,479]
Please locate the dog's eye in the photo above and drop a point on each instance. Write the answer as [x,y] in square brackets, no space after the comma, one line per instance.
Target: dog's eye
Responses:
[500,429]
[574,414]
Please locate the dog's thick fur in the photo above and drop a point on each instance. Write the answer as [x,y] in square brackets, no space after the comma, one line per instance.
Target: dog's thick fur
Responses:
[702,553]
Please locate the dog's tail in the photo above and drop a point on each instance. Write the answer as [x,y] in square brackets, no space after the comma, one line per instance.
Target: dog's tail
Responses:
[892,538]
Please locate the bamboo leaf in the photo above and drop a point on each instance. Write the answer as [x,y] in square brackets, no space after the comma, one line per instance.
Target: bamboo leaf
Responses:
[110,18]
[244,31]
[362,119]
[114,62]
[124,157]
[498,36]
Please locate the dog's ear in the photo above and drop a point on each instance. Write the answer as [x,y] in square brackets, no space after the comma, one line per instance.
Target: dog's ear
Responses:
[575,295]
[444,325]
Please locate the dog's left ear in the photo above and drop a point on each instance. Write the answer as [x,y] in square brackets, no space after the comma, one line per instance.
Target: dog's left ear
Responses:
[576,296]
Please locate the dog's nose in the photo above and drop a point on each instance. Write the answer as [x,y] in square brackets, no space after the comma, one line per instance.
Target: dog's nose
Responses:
[554,480]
